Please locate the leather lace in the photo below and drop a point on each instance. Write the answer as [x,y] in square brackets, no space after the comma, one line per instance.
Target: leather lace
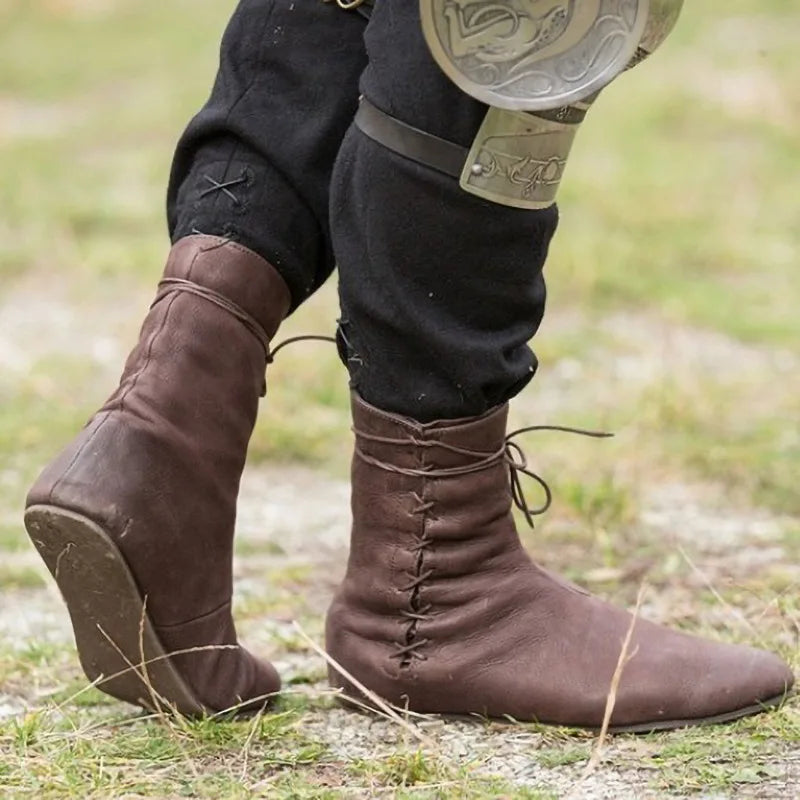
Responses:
[308,337]
[169,286]
[510,453]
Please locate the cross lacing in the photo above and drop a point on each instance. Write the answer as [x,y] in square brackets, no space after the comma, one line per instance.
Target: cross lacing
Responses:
[510,454]
[417,611]
[224,187]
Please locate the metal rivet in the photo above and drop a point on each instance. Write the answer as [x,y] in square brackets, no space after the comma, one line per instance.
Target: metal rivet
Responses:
[477,169]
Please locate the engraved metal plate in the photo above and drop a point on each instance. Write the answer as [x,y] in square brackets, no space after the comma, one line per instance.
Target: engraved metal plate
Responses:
[533,54]
[518,159]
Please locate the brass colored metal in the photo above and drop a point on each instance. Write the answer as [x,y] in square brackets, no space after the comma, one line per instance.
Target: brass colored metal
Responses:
[518,158]
[535,55]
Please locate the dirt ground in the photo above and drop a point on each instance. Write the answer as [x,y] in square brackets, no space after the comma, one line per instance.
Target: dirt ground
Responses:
[292,552]
[672,321]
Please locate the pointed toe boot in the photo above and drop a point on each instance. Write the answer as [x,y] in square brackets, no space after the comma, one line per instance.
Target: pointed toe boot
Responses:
[135,517]
[442,611]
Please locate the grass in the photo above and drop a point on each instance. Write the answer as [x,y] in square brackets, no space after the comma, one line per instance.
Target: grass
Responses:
[89,752]
[673,289]
[701,761]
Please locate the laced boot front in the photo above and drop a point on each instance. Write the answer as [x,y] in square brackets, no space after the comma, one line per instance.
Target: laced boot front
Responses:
[442,611]
[135,517]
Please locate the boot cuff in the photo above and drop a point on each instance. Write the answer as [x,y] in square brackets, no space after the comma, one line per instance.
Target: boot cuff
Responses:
[398,439]
[235,272]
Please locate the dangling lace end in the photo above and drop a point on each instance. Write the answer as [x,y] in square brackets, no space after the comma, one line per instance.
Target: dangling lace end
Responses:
[518,465]
[307,338]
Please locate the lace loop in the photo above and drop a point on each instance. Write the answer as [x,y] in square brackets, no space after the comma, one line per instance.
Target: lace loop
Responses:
[169,286]
[511,454]
[310,337]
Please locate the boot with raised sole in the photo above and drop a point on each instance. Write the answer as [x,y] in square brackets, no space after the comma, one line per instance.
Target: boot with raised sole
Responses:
[135,517]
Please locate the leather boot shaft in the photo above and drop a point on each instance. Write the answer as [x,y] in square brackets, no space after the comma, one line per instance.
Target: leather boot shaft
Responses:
[443,611]
[166,450]
[158,467]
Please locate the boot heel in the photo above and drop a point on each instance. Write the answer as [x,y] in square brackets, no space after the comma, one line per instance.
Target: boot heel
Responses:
[117,646]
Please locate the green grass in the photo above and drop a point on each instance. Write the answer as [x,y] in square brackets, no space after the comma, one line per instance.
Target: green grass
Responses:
[90,754]
[701,761]
[679,223]
[93,752]
[12,578]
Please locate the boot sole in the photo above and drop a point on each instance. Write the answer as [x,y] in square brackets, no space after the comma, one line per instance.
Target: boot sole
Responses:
[640,727]
[717,719]
[118,647]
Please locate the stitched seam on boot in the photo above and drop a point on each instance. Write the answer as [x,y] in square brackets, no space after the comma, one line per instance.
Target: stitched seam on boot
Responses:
[148,355]
[199,618]
[119,402]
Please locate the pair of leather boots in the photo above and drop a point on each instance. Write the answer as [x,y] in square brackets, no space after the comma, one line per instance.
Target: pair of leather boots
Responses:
[441,609]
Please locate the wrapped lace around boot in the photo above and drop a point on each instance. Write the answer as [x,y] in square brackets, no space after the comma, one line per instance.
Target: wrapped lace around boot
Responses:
[442,610]
[135,517]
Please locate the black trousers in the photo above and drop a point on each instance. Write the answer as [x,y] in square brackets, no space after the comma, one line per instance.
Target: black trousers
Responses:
[440,291]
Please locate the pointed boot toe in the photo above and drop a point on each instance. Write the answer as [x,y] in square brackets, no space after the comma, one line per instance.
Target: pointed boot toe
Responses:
[765,682]
[263,687]
[731,681]
[442,611]
[706,682]
[225,676]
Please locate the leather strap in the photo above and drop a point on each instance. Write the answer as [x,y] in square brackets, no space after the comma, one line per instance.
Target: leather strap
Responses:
[168,286]
[411,142]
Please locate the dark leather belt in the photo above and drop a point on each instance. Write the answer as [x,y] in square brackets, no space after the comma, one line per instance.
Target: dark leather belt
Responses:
[411,142]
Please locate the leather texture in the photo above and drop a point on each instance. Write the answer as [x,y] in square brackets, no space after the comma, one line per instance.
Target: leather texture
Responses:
[158,466]
[442,610]
[411,142]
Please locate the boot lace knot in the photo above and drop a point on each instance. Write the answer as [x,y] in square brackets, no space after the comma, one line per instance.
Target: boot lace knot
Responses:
[510,454]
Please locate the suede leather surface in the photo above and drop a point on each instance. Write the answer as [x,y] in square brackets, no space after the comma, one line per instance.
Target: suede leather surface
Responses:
[500,635]
[158,466]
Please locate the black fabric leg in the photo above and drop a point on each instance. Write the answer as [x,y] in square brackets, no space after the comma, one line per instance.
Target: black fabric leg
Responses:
[254,165]
[440,291]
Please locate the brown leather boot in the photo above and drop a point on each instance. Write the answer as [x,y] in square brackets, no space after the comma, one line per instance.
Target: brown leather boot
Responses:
[442,610]
[135,517]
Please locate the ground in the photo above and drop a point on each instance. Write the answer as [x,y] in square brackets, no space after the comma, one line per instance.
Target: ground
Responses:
[672,321]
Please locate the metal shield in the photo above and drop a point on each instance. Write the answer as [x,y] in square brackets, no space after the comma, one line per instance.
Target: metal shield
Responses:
[533,55]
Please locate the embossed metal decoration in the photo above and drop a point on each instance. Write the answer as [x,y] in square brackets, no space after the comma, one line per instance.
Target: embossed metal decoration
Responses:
[533,54]
[518,158]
